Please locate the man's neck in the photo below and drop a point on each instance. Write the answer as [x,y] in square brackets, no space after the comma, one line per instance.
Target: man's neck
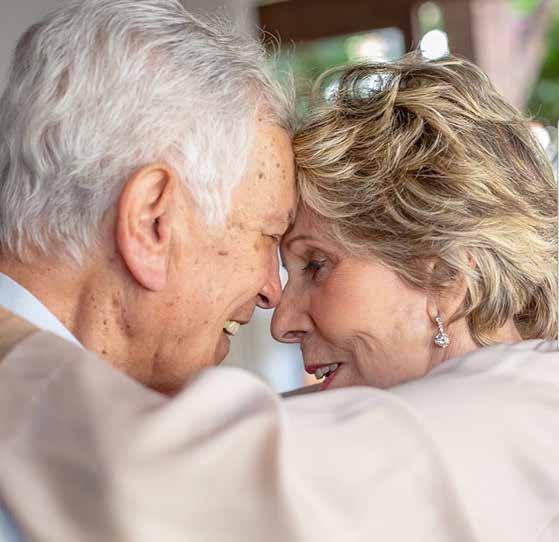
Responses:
[91,303]
[55,286]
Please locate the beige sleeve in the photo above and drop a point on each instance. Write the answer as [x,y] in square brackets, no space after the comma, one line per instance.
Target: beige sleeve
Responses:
[12,331]
[87,454]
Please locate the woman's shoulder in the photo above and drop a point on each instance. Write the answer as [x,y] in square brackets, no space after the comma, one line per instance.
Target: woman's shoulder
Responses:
[492,381]
[493,416]
[500,356]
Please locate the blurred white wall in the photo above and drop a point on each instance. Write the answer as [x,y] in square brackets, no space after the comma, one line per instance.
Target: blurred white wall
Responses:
[253,348]
[15,17]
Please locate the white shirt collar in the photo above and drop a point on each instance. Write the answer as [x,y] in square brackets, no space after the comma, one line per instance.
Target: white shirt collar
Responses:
[24,304]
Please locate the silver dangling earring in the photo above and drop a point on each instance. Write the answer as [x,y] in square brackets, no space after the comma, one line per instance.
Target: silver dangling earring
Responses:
[442,340]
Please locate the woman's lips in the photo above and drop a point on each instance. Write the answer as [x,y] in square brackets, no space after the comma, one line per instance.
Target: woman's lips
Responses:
[323,368]
[328,380]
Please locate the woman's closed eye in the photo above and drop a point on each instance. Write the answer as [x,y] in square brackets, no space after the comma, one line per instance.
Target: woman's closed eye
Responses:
[314,267]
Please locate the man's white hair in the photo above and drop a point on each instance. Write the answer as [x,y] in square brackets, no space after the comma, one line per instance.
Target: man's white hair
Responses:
[102,87]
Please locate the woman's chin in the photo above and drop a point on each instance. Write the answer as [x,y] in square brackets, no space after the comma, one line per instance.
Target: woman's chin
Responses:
[341,378]
[347,377]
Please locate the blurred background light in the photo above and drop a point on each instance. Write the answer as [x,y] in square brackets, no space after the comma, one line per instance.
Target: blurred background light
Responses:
[542,135]
[434,44]
[430,16]
[378,46]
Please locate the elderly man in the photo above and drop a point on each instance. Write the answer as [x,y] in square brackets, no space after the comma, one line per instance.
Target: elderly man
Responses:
[126,130]
[145,179]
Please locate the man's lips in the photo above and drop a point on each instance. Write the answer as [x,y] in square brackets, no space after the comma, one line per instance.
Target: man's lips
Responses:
[232,326]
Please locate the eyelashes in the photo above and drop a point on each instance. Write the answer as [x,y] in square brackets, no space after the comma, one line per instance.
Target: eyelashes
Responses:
[314,266]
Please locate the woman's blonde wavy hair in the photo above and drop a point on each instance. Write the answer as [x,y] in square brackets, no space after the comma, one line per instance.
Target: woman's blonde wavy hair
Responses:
[424,161]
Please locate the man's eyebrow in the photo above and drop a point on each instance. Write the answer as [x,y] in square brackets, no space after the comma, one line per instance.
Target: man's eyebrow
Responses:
[282,219]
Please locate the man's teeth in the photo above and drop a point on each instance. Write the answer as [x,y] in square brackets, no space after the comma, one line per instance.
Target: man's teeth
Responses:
[323,371]
[231,327]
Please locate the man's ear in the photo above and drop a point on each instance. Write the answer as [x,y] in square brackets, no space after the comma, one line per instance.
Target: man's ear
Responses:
[143,224]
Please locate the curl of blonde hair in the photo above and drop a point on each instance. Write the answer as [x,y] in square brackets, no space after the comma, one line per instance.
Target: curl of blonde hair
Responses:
[418,161]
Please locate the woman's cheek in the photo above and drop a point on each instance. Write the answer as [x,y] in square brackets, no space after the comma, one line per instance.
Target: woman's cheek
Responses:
[332,309]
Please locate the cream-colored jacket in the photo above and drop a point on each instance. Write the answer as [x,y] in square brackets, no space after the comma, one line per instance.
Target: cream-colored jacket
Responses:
[469,453]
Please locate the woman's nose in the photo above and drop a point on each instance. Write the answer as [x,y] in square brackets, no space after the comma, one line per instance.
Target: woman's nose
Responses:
[289,323]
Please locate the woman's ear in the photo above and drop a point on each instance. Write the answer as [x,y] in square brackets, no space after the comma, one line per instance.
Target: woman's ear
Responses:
[144,224]
[448,294]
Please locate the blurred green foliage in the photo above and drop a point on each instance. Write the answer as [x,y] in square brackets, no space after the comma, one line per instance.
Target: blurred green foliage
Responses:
[525,6]
[544,101]
[307,61]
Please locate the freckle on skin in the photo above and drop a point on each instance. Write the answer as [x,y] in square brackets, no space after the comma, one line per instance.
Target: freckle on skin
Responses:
[104,352]
[261,175]
[223,253]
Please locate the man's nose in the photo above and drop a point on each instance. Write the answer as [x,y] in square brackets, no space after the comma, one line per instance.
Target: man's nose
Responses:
[270,294]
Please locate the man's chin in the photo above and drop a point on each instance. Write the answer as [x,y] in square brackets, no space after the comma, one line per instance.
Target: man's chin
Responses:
[223,347]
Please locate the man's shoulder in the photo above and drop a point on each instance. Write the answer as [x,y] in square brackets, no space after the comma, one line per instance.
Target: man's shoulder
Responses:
[13,330]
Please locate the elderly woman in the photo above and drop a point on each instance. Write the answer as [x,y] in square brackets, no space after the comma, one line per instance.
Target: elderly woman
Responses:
[427,225]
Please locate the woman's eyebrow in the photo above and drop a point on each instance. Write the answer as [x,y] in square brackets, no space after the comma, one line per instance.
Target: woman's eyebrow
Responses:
[301,237]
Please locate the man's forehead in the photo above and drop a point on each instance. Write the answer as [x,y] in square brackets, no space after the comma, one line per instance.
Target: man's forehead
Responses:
[291,216]
[278,218]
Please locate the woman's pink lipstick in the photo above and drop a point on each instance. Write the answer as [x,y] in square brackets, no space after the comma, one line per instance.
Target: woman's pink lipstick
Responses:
[325,384]
[328,380]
